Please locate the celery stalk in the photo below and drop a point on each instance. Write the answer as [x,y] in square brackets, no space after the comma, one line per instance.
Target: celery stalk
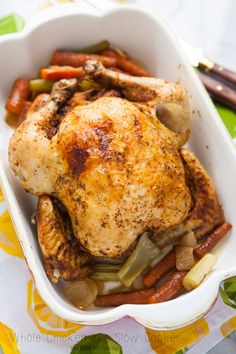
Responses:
[41,85]
[140,258]
[201,269]
[88,84]
[104,276]
[95,48]
[107,268]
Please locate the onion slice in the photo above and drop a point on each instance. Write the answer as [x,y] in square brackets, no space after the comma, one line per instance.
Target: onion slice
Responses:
[184,258]
[81,293]
[188,240]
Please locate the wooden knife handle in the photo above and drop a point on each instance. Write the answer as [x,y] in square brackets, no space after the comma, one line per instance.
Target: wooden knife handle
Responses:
[220,91]
[219,70]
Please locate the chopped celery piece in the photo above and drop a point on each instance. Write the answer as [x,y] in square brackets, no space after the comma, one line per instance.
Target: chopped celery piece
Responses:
[104,276]
[161,255]
[169,237]
[96,48]
[201,269]
[105,267]
[88,84]
[41,85]
[138,283]
[11,24]
[140,258]
[119,51]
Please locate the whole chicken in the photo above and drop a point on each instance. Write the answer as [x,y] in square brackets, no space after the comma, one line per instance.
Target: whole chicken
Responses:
[114,163]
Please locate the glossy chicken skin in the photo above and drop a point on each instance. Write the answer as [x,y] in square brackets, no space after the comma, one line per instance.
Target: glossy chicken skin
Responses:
[112,163]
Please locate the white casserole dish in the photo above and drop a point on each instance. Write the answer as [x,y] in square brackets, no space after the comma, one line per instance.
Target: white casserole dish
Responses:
[149,40]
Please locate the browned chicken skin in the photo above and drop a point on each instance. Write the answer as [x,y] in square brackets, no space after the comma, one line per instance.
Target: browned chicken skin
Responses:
[62,259]
[114,165]
[206,212]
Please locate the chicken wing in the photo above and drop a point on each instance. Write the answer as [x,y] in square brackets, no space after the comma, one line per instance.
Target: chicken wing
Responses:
[206,213]
[62,259]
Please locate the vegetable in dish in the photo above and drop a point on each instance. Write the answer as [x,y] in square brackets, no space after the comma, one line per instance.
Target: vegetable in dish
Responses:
[184,257]
[171,287]
[18,95]
[196,275]
[116,187]
[143,254]
[82,293]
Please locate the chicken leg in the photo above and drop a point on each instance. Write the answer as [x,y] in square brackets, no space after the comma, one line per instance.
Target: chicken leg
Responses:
[166,99]
[32,138]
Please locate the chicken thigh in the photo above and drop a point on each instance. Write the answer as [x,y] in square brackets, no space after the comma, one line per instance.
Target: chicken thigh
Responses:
[112,163]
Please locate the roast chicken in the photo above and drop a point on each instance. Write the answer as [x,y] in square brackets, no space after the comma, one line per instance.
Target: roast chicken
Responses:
[115,164]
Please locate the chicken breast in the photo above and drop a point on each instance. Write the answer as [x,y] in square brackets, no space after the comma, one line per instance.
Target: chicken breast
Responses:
[121,176]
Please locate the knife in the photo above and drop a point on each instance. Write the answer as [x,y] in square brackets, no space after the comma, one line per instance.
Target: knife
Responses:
[197,59]
[220,91]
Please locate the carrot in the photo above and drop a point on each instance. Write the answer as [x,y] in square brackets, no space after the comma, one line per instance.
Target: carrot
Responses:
[112,53]
[206,246]
[125,64]
[79,59]
[113,60]
[119,70]
[169,289]
[162,268]
[131,67]
[61,72]
[18,95]
[128,297]
[23,114]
